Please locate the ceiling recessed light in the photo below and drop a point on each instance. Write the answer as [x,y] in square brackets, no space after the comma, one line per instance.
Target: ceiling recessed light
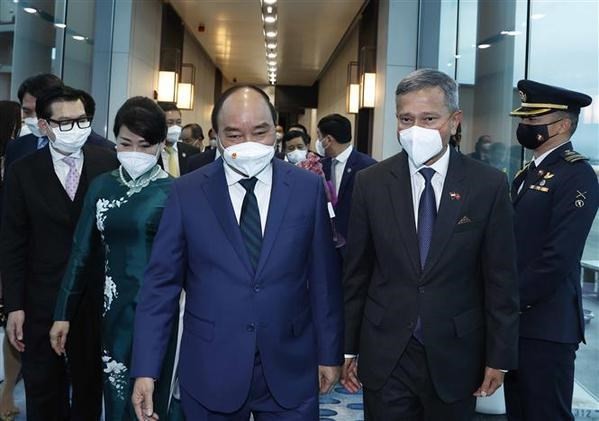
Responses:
[30,10]
[270,1]
[271,34]
[271,55]
[537,16]
[272,62]
[483,46]
[269,9]
[270,18]
[60,25]
[511,33]
[271,45]
[79,38]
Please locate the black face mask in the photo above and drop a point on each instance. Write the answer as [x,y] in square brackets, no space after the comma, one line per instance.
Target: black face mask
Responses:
[531,137]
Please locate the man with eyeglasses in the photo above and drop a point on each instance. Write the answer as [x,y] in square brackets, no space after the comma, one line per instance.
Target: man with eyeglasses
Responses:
[32,139]
[44,196]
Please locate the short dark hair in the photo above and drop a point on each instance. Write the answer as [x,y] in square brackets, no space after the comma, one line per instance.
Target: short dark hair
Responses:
[196,130]
[293,134]
[337,126]
[89,104]
[219,104]
[10,122]
[38,84]
[143,117]
[43,105]
[299,126]
[168,106]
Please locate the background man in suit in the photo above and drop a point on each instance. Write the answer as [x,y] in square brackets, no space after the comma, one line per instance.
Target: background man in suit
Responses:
[199,160]
[28,93]
[341,164]
[175,155]
[44,195]
[556,198]
[192,134]
[431,300]
[249,239]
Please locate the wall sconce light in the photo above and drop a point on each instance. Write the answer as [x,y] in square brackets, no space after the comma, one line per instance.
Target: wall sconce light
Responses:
[167,86]
[353,88]
[367,71]
[185,94]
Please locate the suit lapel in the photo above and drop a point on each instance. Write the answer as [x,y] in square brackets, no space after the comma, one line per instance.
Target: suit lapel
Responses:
[279,199]
[347,174]
[454,194]
[400,192]
[182,160]
[326,167]
[217,192]
[54,193]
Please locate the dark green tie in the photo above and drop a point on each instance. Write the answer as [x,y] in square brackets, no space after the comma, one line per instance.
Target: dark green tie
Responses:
[249,222]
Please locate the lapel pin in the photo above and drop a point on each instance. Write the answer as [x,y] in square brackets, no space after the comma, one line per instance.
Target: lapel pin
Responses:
[348,170]
[455,196]
[541,173]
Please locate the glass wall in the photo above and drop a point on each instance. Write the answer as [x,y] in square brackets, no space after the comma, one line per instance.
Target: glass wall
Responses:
[553,42]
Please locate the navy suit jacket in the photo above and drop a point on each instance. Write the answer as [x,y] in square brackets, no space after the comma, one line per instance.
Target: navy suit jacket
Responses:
[290,309]
[26,145]
[357,161]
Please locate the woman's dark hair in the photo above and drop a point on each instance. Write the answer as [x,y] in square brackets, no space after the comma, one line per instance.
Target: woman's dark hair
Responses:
[10,122]
[219,104]
[292,135]
[143,117]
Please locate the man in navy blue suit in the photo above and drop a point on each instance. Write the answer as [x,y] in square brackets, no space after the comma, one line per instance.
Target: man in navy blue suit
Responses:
[31,89]
[248,238]
[341,164]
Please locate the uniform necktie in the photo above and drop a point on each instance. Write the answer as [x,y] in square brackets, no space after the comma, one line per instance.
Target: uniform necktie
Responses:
[427,214]
[173,168]
[72,180]
[249,222]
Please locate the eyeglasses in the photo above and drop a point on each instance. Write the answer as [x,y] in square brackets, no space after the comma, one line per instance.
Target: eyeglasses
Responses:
[67,125]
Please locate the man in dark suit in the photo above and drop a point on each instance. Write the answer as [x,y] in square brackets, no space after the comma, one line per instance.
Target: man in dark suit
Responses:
[341,164]
[28,93]
[44,195]
[175,155]
[555,198]
[202,159]
[248,237]
[431,300]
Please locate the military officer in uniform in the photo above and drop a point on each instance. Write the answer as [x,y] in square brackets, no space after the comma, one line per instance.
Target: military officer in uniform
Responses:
[555,199]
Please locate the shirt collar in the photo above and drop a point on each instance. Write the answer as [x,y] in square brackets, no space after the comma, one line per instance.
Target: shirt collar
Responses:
[546,154]
[440,166]
[57,156]
[173,145]
[233,177]
[344,156]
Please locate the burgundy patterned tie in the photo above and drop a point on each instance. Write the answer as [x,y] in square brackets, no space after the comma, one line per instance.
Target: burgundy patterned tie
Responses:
[72,181]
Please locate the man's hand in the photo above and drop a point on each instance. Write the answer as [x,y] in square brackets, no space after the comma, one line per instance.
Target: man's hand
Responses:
[492,381]
[142,399]
[14,329]
[58,336]
[328,377]
[349,375]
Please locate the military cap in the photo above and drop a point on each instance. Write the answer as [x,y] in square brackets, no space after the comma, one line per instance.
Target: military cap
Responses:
[538,99]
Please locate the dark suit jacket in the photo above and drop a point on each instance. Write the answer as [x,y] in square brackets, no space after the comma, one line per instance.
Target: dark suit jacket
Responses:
[467,294]
[37,234]
[201,159]
[357,161]
[289,308]
[185,152]
[27,144]
[551,231]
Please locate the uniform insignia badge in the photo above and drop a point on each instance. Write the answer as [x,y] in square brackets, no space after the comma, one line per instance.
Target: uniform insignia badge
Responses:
[522,96]
[548,175]
[580,197]
[542,182]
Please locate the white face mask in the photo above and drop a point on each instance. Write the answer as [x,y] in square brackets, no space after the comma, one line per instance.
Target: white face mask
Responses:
[297,155]
[173,134]
[420,144]
[249,158]
[71,141]
[31,123]
[320,148]
[137,163]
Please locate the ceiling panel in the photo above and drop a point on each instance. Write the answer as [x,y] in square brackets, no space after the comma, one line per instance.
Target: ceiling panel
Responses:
[308,32]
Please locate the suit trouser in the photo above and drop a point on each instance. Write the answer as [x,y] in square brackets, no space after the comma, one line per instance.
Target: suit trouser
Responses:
[541,389]
[260,403]
[409,394]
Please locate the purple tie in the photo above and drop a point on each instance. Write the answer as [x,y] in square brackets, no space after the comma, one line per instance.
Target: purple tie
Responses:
[72,181]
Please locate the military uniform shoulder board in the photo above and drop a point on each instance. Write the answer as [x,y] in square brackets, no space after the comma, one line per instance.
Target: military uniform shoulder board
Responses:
[572,156]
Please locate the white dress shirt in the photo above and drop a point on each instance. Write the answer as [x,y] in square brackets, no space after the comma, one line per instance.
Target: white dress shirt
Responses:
[61,168]
[438,181]
[340,166]
[262,192]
